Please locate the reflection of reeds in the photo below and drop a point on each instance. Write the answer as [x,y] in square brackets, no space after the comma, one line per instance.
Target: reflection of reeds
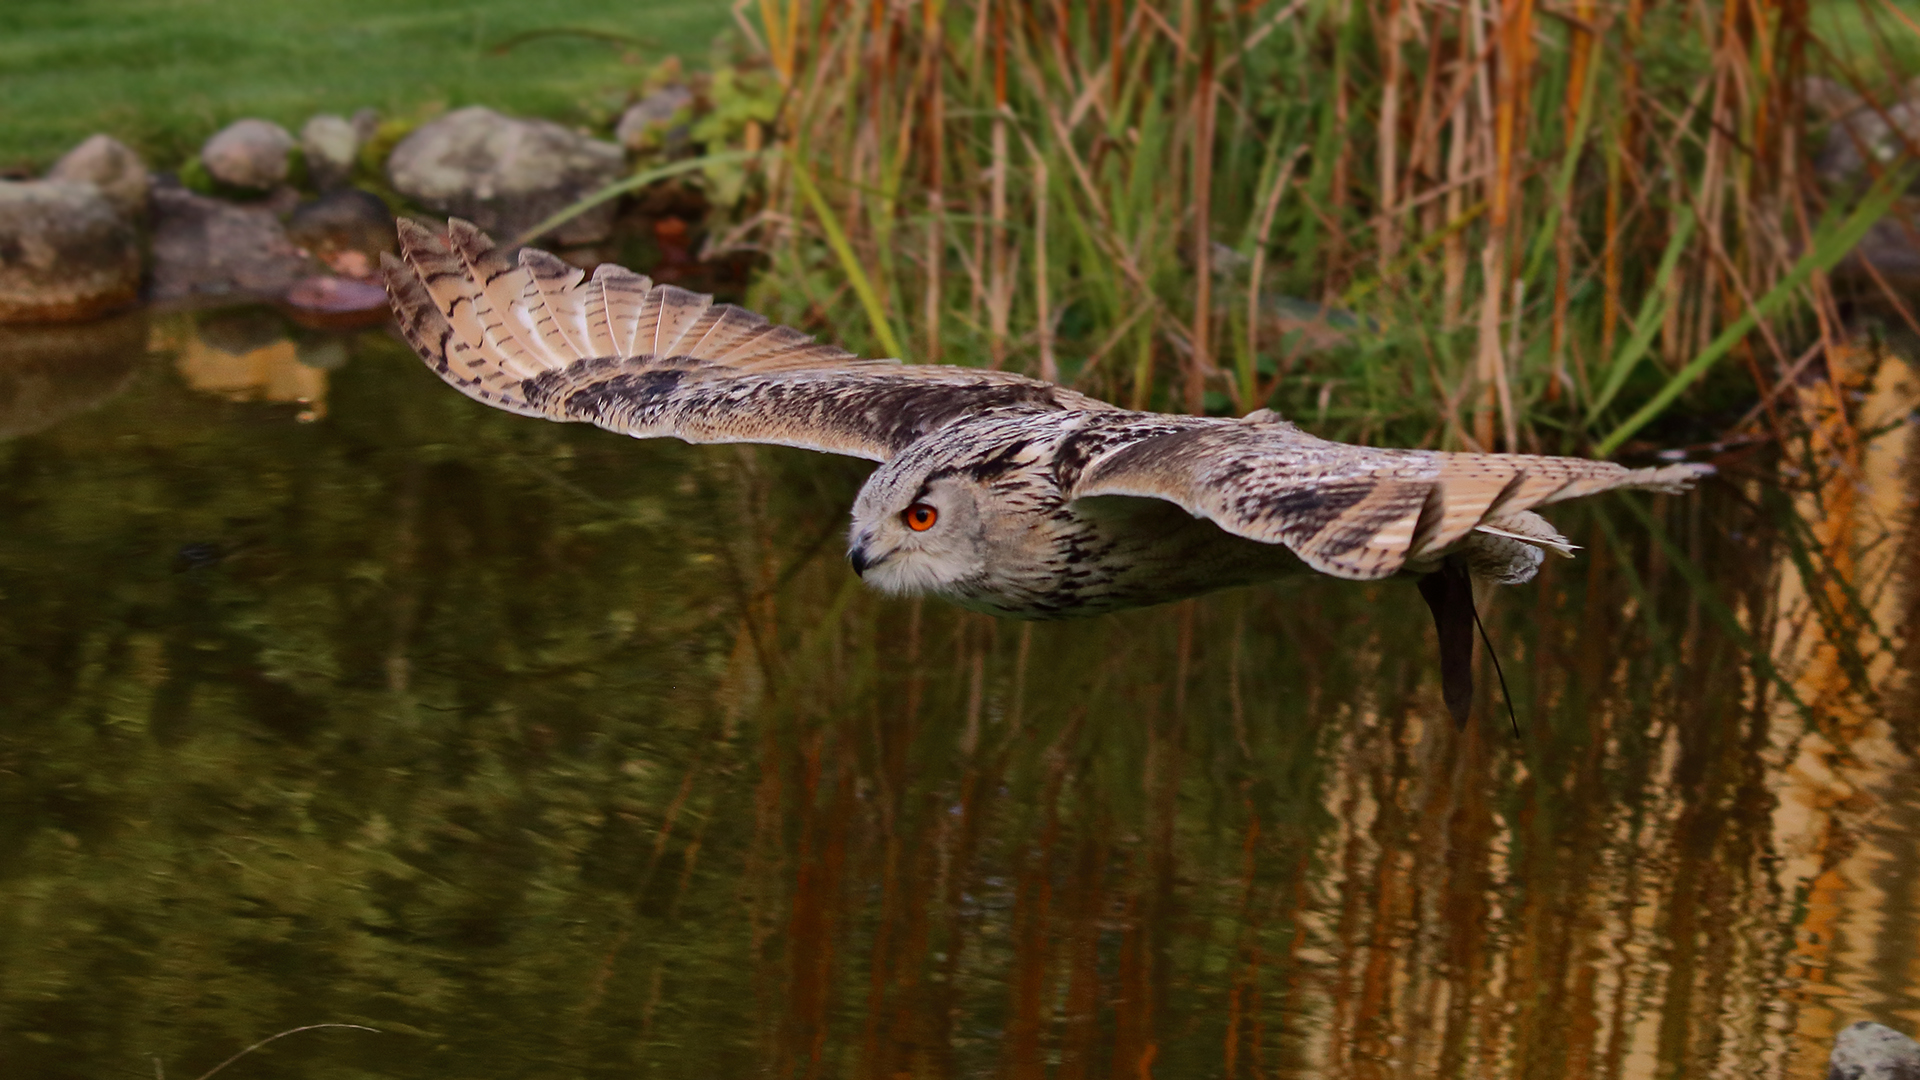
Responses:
[1105,191]
[1844,591]
[1219,840]
[660,794]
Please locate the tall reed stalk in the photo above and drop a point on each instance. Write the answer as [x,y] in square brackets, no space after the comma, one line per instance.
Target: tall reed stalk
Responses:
[1537,216]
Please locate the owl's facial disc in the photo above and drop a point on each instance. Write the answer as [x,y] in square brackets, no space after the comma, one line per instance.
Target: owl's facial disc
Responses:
[915,535]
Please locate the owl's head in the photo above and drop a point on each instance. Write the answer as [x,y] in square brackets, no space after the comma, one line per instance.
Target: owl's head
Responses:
[918,527]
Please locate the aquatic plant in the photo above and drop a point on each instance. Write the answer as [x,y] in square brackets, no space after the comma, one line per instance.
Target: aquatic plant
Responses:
[1482,224]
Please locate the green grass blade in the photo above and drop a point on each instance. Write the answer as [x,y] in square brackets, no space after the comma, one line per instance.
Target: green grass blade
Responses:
[1563,183]
[1829,246]
[634,183]
[1653,310]
[1362,288]
[856,276]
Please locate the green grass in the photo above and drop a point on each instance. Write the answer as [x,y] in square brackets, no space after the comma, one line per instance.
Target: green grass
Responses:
[1862,36]
[164,74]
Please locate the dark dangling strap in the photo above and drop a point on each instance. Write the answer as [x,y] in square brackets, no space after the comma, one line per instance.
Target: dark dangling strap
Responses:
[1448,592]
[1505,694]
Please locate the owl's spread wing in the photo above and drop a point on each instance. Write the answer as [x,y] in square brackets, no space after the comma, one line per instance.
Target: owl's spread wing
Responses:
[1361,513]
[539,337]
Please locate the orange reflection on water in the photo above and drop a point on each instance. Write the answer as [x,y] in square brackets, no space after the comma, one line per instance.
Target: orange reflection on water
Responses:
[1693,863]
[1842,776]
[571,754]
[270,371]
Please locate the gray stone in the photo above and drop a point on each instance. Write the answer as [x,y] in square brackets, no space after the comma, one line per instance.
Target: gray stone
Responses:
[48,373]
[1889,246]
[366,121]
[646,123]
[248,154]
[345,229]
[323,294]
[1829,99]
[1870,1051]
[330,144]
[113,167]
[66,252]
[205,247]
[1865,134]
[506,175]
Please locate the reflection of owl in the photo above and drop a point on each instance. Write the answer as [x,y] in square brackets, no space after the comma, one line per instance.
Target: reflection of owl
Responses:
[998,492]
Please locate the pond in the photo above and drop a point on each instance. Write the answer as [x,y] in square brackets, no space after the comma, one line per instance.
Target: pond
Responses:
[332,697]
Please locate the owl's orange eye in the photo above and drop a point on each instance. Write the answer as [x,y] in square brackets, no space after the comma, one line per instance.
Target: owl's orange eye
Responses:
[920,517]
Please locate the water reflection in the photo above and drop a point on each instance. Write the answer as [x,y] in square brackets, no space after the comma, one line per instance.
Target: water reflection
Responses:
[250,354]
[48,373]
[550,753]
[1848,811]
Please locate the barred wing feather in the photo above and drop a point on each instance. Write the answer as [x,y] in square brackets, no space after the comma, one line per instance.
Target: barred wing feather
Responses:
[541,338]
[1362,513]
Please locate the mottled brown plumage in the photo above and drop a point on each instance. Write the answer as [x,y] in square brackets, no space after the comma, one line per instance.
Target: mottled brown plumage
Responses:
[1047,503]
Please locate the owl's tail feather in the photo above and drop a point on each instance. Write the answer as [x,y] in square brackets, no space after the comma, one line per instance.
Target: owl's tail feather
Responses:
[1482,506]
[1493,495]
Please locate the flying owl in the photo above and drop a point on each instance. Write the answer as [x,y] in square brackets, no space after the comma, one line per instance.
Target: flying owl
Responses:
[998,492]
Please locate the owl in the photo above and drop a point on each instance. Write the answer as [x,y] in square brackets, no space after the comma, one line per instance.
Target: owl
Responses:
[995,491]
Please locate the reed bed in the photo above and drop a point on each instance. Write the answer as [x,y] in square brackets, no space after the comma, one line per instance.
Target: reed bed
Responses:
[1475,223]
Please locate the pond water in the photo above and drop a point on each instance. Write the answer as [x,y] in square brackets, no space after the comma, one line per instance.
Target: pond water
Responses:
[328,696]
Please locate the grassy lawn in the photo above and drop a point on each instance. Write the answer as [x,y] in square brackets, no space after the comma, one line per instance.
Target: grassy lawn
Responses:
[164,74]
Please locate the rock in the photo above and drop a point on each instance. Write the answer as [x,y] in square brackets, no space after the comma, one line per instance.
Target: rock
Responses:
[1865,133]
[248,154]
[1889,246]
[205,247]
[336,294]
[113,167]
[48,373]
[1865,136]
[281,201]
[1869,1051]
[324,302]
[1827,98]
[506,175]
[329,144]
[345,229]
[66,252]
[647,123]
[365,122]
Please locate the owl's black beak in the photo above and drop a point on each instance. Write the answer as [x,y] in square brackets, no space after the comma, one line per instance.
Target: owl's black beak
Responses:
[861,561]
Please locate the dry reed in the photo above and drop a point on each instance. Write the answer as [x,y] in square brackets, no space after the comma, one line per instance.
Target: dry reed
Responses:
[1516,224]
